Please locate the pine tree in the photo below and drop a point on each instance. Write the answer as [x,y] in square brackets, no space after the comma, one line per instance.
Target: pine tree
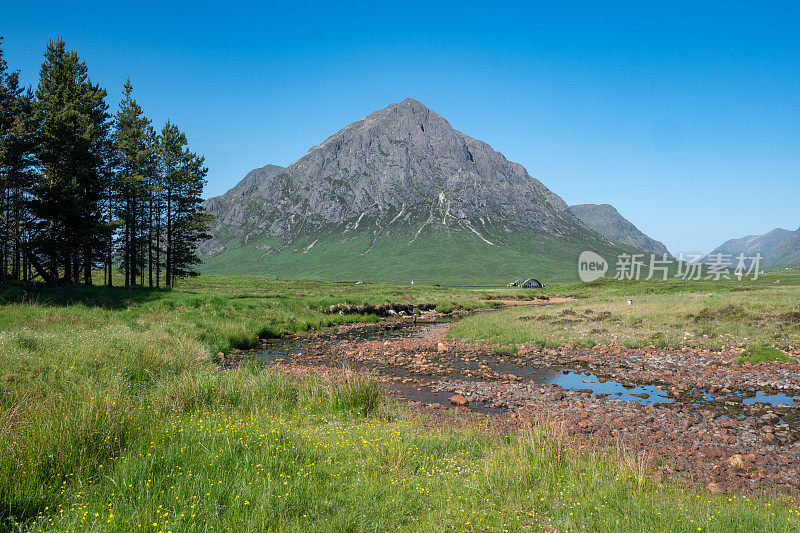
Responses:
[9,92]
[16,160]
[171,146]
[72,145]
[133,152]
[184,224]
[73,196]
[19,175]
[191,224]
[153,174]
[158,207]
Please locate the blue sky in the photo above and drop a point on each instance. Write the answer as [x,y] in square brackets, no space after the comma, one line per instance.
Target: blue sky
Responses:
[684,116]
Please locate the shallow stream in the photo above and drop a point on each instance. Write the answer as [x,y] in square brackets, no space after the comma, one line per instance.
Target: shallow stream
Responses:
[284,350]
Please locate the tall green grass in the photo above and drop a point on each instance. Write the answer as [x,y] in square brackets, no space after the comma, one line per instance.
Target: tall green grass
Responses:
[113,417]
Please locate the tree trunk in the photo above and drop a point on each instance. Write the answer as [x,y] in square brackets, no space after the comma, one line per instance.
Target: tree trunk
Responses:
[76,265]
[87,264]
[108,281]
[134,253]
[158,248]
[68,267]
[150,241]
[110,251]
[16,272]
[4,236]
[40,269]
[169,239]
[126,252]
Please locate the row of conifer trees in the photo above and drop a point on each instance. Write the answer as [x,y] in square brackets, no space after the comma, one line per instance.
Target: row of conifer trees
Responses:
[83,191]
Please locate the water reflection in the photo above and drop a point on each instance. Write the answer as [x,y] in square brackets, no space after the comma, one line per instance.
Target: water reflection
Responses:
[284,349]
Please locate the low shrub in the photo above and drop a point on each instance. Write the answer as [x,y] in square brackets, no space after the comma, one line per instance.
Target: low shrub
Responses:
[505,350]
[757,353]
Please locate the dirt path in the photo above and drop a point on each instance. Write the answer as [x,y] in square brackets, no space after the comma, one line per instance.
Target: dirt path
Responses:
[551,301]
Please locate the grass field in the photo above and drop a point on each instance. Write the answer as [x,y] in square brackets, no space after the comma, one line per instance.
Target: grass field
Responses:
[114,417]
[431,257]
[674,313]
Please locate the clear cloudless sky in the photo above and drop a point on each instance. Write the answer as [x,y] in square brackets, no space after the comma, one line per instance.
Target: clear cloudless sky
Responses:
[683,115]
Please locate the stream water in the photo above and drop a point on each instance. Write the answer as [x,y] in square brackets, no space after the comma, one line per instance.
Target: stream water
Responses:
[568,378]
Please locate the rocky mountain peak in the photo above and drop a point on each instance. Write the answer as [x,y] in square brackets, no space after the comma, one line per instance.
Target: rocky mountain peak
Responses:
[408,122]
[406,154]
[401,174]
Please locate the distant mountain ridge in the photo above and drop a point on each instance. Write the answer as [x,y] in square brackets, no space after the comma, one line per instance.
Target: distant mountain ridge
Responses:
[786,253]
[779,247]
[608,222]
[395,196]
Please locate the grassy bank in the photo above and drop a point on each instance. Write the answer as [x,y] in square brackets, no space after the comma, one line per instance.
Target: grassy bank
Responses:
[674,313]
[113,417]
[214,312]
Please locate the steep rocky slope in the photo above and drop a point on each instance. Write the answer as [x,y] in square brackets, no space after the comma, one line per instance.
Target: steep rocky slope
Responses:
[786,253]
[395,196]
[606,220]
[751,245]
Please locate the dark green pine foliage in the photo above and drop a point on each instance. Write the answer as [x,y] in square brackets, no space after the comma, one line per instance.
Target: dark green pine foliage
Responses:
[150,208]
[133,148]
[184,224]
[16,174]
[73,146]
[171,146]
[73,196]
[19,175]
[10,91]
[191,224]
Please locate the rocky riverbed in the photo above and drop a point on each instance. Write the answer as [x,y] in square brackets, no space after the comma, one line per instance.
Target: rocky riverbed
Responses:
[701,417]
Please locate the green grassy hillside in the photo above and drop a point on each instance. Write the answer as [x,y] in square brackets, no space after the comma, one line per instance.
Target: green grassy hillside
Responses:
[433,258]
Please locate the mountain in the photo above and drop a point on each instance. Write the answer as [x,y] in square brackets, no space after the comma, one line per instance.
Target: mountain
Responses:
[784,254]
[398,196]
[606,220]
[750,245]
[234,211]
